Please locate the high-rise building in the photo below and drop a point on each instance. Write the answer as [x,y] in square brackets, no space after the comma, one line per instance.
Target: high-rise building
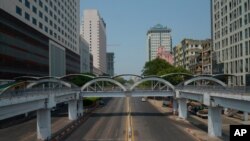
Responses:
[84,55]
[39,37]
[231,39]
[158,36]
[110,63]
[94,32]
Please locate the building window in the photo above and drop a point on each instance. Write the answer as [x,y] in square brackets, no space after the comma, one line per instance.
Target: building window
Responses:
[34,21]
[46,19]
[27,3]
[40,14]
[40,25]
[27,16]
[34,9]
[51,23]
[50,32]
[20,1]
[46,29]
[40,3]
[18,10]
[46,8]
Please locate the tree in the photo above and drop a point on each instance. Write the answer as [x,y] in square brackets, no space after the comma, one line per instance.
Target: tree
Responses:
[155,66]
[121,80]
[161,67]
[80,80]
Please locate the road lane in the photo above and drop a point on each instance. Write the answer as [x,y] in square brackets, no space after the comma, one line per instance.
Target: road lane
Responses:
[106,124]
[151,125]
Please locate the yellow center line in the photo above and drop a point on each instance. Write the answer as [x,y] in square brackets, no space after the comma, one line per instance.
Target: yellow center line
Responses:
[127,121]
[130,132]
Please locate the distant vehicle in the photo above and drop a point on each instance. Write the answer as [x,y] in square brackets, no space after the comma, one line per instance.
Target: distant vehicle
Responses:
[166,103]
[143,99]
[101,102]
[54,109]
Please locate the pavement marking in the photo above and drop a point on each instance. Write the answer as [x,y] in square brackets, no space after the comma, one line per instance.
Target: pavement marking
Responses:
[129,122]
[103,139]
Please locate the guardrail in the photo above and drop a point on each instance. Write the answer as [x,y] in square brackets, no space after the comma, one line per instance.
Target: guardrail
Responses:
[218,89]
[35,92]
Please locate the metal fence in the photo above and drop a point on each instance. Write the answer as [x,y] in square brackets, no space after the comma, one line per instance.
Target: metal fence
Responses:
[217,89]
[36,91]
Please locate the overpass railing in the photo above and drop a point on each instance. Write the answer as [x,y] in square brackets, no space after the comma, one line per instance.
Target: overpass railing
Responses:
[218,89]
[36,91]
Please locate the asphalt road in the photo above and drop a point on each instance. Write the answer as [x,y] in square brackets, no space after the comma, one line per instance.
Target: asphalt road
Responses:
[108,123]
[151,125]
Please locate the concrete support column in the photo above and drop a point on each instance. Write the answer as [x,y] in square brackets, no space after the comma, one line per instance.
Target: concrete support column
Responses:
[245,116]
[182,109]
[80,107]
[214,121]
[43,124]
[175,106]
[72,109]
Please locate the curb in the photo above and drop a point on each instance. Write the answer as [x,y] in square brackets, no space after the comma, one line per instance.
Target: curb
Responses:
[191,132]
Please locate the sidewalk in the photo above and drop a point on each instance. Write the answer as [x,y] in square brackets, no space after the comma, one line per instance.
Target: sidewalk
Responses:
[194,125]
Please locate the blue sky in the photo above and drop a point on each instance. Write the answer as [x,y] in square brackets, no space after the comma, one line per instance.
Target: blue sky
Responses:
[128,21]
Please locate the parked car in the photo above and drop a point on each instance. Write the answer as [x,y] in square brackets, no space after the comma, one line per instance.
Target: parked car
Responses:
[101,102]
[143,99]
[166,103]
[202,113]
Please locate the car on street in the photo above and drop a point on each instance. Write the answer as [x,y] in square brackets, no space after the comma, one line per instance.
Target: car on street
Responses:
[143,99]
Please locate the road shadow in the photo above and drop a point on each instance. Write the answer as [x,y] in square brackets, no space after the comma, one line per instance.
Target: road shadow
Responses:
[132,114]
[150,114]
[108,114]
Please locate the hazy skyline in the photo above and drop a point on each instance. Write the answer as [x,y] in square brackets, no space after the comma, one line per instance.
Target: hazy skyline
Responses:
[128,21]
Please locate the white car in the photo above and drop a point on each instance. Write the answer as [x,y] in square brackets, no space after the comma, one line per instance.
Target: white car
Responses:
[143,99]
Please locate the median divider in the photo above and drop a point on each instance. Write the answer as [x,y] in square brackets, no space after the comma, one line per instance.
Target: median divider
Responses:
[63,133]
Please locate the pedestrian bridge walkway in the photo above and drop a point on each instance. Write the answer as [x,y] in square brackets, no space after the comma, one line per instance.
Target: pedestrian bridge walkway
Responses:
[42,94]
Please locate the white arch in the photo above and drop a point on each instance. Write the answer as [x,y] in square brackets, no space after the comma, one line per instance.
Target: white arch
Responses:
[11,86]
[204,78]
[205,75]
[103,79]
[169,74]
[68,75]
[53,80]
[127,75]
[217,75]
[154,79]
[26,77]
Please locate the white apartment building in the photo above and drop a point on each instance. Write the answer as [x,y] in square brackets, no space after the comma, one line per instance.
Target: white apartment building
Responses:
[94,32]
[85,56]
[158,36]
[231,38]
[57,19]
[45,34]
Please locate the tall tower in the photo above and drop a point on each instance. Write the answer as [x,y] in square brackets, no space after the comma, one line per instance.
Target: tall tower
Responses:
[94,32]
[158,36]
[231,35]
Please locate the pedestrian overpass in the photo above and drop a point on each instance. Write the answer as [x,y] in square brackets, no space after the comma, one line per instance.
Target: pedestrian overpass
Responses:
[42,94]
